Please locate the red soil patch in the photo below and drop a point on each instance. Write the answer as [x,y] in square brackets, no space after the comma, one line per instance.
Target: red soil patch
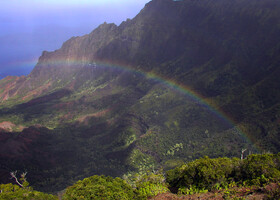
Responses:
[10,85]
[271,191]
[71,85]
[63,106]
[67,116]
[14,145]
[7,87]
[30,147]
[37,91]
[8,78]
[84,119]
[7,126]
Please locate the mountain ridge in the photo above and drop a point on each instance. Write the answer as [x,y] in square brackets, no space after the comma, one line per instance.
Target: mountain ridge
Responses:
[114,121]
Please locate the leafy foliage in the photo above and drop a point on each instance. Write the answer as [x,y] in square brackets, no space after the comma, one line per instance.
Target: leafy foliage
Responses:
[260,169]
[14,192]
[233,178]
[211,174]
[100,187]
[199,176]
[104,120]
[150,185]
[203,173]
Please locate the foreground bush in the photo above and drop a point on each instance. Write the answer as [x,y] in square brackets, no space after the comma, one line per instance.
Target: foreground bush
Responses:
[150,185]
[100,187]
[209,174]
[260,169]
[14,192]
[199,176]
[203,173]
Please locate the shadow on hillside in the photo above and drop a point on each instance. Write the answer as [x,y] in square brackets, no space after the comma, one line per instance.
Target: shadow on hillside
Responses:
[36,106]
[55,159]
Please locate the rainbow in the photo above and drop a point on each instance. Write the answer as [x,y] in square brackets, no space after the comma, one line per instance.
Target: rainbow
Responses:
[170,83]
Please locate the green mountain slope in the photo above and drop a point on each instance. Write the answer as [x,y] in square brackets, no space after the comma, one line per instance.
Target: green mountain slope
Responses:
[103,104]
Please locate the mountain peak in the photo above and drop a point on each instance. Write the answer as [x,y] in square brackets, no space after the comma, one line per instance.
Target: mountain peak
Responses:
[203,79]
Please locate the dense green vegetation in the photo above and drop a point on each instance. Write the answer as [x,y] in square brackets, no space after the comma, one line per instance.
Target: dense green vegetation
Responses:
[100,187]
[199,176]
[150,184]
[14,192]
[210,174]
[67,121]
[80,140]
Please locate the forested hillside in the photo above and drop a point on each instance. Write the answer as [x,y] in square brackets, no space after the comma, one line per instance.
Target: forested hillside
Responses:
[181,80]
[256,177]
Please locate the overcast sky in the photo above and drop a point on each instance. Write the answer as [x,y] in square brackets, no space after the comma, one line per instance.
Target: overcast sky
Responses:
[30,26]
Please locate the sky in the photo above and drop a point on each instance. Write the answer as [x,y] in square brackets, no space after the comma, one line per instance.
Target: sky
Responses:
[29,27]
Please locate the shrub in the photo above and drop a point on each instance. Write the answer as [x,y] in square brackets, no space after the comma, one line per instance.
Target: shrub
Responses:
[202,174]
[14,192]
[206,173]
[260,169]
[151,185]
[100,187]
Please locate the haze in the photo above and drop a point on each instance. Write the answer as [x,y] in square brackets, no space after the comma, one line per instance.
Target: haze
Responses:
[29,27]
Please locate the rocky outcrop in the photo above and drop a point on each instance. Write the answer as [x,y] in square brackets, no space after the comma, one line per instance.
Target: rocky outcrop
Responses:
[226,51]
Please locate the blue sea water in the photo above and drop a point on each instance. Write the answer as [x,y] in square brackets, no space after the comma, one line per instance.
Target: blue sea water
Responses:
[16,71]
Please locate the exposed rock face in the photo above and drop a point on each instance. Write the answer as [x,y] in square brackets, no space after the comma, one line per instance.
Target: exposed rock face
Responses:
[227,51]
[236,40]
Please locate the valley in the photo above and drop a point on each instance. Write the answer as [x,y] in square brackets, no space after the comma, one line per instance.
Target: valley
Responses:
[181,80]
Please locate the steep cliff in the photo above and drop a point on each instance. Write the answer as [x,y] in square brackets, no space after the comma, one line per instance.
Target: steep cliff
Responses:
[149,92]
